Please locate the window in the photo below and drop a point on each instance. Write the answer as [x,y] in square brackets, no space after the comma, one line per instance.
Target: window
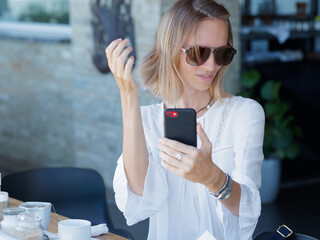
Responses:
[36,20]
[50,11]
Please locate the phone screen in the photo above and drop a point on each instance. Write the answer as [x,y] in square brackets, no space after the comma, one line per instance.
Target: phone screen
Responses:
[180,125]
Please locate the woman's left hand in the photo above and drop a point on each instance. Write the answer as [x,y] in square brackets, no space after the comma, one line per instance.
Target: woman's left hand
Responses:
[194,164]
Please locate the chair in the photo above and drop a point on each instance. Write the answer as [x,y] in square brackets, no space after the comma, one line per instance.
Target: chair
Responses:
[283,232]
[295,236]
[74,193]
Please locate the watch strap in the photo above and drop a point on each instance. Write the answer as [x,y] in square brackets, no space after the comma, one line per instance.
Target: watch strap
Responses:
[225,191]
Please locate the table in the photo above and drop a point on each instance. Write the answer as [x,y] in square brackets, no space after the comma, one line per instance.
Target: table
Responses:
[55,218]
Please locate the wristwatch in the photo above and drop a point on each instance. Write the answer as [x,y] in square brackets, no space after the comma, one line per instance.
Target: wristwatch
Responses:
[225,191]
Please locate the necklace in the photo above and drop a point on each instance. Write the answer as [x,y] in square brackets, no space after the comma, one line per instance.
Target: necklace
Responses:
[206,106]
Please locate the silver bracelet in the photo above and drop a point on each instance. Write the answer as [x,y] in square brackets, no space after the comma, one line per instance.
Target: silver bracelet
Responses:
[225,191]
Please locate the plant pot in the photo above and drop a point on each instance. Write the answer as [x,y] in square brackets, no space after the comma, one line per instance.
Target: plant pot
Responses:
[271,176]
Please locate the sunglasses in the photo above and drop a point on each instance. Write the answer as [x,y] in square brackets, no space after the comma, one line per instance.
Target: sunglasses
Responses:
[197,55]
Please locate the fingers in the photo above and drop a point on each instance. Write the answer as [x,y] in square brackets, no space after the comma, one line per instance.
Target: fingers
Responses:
[170,160]
[169,167]
[110,50]
[177,146]
[128,67]
[205,142]
[117,54]
[121,66]
[168,150]
[194,165]
[179,167]
[121,59]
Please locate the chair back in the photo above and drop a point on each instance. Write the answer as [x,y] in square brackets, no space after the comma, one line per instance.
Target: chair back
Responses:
[294,236]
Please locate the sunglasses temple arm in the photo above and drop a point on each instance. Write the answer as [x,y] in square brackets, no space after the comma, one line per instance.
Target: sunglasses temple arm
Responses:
[182,49]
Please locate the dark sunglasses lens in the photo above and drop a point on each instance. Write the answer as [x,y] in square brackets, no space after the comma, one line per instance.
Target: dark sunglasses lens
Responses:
[197,56]
[223,55]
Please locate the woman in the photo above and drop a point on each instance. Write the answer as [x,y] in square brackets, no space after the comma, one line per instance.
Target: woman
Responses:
[184,190]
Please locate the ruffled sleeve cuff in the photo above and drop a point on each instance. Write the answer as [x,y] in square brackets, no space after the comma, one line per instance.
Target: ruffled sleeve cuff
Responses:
[138,208]
[250,208]
[249,211]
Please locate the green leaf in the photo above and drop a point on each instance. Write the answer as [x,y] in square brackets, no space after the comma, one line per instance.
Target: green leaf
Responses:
[282,138]
[250,78]
[280,153]
[280,131]
[293,151]
[270,90]
[267,144]
[272,109]
[288,120]
[245,94]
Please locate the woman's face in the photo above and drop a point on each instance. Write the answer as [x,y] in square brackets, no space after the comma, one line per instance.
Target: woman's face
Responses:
[213,34]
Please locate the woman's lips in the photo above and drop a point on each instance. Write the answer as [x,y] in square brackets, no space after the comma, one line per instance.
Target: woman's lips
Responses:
[205,77]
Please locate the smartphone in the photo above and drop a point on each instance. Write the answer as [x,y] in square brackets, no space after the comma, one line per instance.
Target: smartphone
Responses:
[180,125]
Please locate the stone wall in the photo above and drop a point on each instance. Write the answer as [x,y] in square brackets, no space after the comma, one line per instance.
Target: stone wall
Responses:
[35,102]
[56,109]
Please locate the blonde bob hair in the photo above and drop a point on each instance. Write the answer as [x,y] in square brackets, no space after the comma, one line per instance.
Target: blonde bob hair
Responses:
[159,69]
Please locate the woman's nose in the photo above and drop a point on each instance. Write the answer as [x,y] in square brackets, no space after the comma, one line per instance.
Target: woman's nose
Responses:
[210,64]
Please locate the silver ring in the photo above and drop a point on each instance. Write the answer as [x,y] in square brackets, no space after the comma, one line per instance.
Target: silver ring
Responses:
[179,156]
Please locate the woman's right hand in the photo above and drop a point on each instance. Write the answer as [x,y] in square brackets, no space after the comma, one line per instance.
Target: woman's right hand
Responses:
[121,67]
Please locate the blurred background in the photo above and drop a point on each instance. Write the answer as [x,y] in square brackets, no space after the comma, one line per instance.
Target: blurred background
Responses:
[60,106]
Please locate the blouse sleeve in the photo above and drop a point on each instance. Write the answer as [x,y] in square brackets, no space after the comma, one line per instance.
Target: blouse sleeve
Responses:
[138,208]
[248,132]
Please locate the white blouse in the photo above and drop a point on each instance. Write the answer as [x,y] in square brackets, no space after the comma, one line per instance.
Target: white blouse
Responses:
[180,209]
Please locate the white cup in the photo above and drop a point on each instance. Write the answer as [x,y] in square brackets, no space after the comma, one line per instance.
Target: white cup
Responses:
[42,208]
[74,229]
[3,202]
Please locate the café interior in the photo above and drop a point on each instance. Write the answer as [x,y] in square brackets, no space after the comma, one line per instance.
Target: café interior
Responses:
[54,91]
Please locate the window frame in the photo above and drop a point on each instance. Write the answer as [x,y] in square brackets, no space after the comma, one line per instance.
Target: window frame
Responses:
[36,31]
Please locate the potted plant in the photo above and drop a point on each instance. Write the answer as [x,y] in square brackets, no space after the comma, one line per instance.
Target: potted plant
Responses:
[280,131]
